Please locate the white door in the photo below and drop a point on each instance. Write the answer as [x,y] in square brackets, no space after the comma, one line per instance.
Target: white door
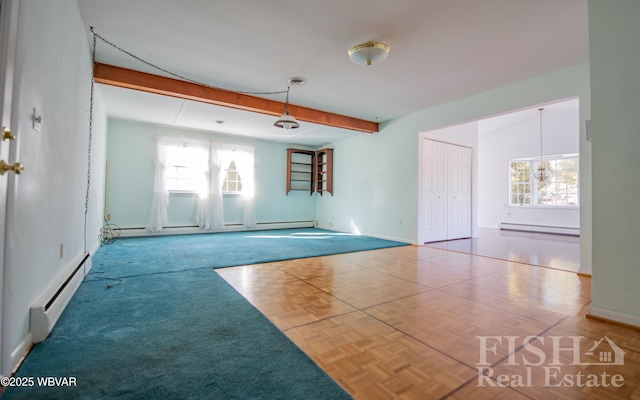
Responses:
[459,192]
[8,28]
[446,191]
[434,188]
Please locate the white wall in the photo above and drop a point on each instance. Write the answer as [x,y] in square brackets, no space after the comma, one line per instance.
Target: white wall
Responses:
[131,154]
[376,176]
[615,101]
[47,202]
[521,139]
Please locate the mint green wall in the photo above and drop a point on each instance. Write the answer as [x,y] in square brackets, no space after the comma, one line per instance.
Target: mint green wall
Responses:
[615,100]
[131,153]
[376,176]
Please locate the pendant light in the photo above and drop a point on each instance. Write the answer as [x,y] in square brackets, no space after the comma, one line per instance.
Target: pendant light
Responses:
[287,121]
[541,175]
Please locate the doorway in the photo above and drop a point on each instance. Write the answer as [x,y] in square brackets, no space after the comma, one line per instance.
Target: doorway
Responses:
[495,142]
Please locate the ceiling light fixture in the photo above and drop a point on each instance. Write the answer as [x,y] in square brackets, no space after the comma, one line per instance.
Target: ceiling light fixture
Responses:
[286,120]
[369,53]
[542,174]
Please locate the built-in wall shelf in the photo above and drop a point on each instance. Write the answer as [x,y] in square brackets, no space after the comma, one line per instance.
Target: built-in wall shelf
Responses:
[324,171]
[309,170]
[300,170]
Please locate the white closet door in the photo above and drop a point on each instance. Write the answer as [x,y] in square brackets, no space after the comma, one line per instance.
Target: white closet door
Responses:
[458,192]
[435,191]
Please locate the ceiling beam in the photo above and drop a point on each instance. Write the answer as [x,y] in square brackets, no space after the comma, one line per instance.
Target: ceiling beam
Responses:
[131,79]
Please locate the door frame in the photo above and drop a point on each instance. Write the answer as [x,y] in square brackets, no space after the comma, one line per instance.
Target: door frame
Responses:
[9,13]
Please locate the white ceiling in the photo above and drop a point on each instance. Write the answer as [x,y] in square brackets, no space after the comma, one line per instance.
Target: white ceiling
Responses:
[441,50]
[491,125]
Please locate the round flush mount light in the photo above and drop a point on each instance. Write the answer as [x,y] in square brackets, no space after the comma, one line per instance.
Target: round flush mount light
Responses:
[297,81]
[369,53]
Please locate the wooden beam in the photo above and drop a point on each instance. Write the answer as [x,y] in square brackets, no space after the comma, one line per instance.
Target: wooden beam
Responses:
[136,80]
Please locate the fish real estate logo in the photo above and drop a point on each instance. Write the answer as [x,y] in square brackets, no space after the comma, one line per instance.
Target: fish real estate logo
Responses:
[554,357]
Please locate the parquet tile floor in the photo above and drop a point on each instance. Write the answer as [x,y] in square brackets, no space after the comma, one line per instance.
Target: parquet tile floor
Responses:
[407,323]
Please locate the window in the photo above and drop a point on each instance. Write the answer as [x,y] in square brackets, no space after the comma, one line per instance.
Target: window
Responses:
[185,169]
[561,189]
[520,182]
[232,181]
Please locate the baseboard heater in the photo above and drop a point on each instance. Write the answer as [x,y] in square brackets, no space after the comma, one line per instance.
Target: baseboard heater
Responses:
[48,308]
[557,230]
[178,230]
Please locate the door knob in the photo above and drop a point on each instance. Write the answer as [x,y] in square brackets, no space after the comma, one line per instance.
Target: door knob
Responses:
[17,168]
[7,135]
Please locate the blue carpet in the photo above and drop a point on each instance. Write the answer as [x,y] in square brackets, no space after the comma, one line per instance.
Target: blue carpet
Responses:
[169,327]
[217,250]
[181,335]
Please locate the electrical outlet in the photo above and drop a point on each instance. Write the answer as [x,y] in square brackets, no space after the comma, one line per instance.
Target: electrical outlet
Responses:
[108,217]
[61,250]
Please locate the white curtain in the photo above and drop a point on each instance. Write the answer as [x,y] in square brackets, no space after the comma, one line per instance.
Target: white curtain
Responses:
[210,209]
[245,165]
[160,200]
[210,213]
[158,216]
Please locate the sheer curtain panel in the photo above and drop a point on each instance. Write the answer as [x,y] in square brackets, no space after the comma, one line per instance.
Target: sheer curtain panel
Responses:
[210,213]
[160,200]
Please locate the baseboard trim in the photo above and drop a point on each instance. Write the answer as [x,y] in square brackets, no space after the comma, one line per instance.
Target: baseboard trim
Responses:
[20,352]
[615,317]
[392,238]
[384,237]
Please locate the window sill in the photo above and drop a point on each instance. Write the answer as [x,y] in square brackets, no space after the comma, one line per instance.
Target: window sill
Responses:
[577,208]
[189,193]
[182,193]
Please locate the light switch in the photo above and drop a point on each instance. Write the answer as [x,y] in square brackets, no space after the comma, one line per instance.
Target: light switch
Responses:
[37,120]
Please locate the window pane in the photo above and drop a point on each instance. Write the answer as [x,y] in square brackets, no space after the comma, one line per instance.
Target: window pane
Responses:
[185,169]
[232,181]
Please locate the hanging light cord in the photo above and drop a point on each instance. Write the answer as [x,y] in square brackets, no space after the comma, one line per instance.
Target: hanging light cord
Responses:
[181,77]
[540,109]
[286,103]
[86,198]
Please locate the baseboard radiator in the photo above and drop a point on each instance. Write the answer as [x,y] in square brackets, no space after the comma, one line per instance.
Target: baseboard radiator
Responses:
[48,308]
[557,230]
[178,230]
